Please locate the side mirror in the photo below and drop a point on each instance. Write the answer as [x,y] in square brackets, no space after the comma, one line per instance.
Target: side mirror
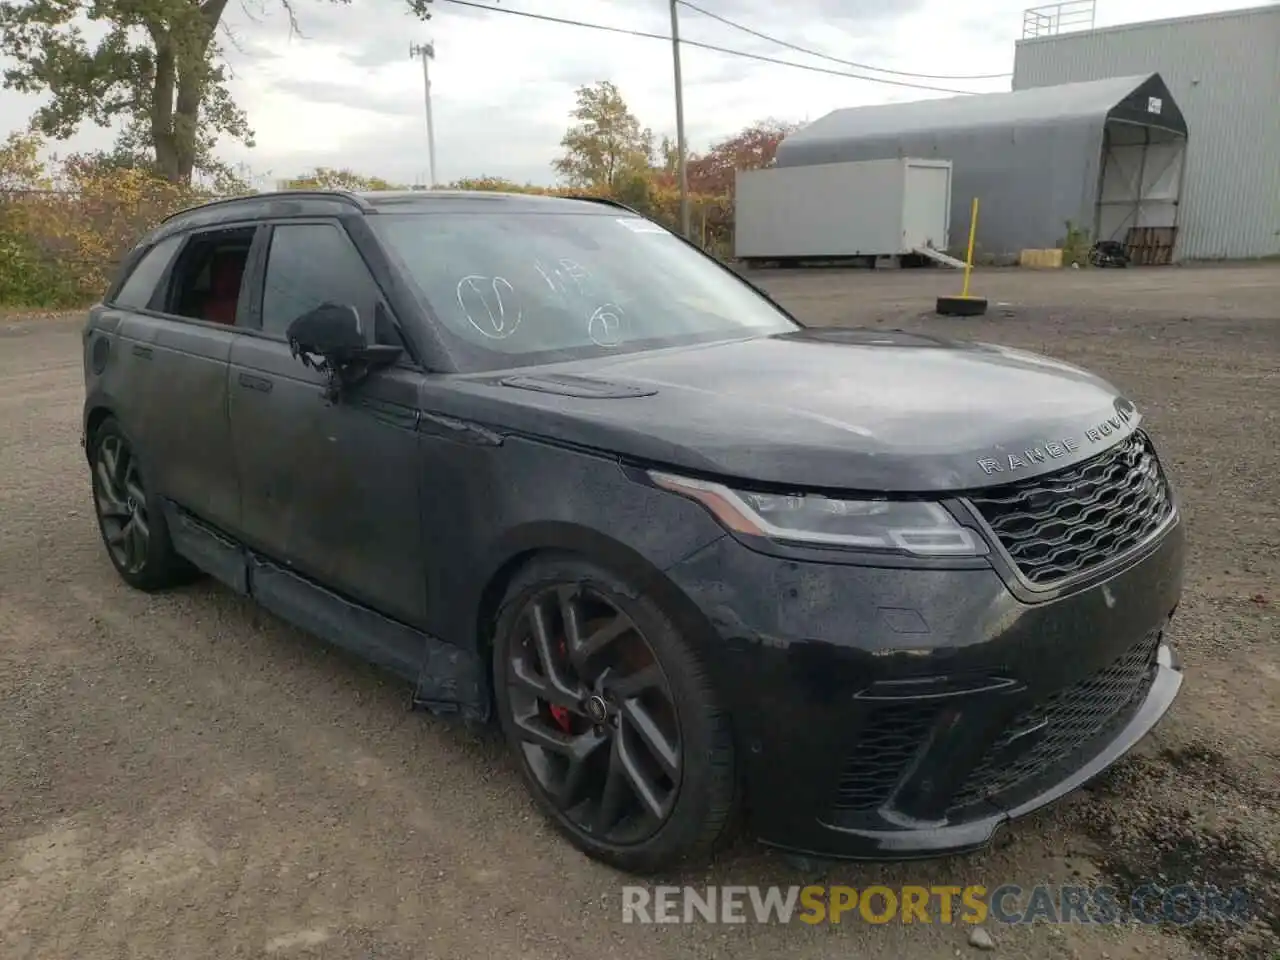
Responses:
[331,339]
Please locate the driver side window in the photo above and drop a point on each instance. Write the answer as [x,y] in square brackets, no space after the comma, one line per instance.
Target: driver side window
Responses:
[311,263]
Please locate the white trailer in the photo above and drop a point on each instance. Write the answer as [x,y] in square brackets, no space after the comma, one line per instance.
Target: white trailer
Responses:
[873,208]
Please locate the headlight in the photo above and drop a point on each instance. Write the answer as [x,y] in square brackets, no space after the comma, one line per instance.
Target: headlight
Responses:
[901,526]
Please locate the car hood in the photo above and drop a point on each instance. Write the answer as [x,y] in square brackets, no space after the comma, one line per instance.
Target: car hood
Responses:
[838,409]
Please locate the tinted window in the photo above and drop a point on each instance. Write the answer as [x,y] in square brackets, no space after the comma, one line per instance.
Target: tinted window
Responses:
[137,290]
[309,264]
[517,288]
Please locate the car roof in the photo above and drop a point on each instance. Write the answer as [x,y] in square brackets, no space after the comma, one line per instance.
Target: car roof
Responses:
[481,200]
[318,203]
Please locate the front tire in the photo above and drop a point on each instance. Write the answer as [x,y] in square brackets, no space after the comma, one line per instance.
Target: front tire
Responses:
[130,517]
[612,718]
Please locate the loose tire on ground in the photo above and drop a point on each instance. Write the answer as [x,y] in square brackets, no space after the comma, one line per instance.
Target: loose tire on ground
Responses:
[129,515]
[962,306]
[700,808]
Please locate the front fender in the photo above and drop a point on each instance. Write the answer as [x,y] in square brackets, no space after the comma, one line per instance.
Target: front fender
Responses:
[492,507]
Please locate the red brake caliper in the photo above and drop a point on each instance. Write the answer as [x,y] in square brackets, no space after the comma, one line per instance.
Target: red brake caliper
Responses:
[561,716]
[558,713]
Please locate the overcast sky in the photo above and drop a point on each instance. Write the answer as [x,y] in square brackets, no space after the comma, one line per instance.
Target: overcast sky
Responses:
[348,95]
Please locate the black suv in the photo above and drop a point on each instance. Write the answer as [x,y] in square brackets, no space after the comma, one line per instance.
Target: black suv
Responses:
[548,461]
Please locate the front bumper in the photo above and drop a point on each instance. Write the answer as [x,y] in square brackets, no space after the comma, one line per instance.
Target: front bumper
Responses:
[899,713]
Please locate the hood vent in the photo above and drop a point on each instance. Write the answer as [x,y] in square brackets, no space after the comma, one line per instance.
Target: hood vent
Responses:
[586,388]
[857,336]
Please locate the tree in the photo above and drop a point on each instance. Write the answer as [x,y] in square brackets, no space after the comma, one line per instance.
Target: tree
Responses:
[132,151]
[607,147]
[669,155]
[667,162]
[491,184]
[327,178]
[753,148]
[20,165]
[158,69]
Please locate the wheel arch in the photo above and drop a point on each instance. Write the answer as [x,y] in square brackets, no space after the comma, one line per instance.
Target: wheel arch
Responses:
[570,540]
[94,419]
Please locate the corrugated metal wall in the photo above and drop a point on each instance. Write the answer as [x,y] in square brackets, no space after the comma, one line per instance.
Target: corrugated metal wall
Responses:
[1031,177]
[1224,72]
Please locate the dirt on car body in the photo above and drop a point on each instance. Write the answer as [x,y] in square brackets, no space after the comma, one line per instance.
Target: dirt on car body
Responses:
[183,775]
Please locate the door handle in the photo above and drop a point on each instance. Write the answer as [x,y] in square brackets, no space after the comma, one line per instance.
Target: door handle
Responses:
[141,351]
[255,383]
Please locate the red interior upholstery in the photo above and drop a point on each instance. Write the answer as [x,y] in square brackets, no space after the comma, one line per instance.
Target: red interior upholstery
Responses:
[225,271]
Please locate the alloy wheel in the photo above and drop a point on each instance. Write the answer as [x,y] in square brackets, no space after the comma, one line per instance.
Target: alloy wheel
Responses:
[594,714]
[122,505]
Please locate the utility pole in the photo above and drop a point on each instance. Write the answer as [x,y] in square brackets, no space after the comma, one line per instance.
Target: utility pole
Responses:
[426,53]
[680,144]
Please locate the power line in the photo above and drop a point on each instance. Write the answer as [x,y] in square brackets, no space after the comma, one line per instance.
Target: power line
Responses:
[704,46]
[824,56]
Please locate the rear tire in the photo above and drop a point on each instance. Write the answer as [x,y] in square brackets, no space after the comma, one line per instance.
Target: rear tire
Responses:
[130,516]
[622,740]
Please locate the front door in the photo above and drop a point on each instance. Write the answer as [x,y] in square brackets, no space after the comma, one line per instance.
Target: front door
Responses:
[330,490]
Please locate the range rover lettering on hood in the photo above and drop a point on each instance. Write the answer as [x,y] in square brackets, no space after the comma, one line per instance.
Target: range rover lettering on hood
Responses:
[1107,430]
[817,414]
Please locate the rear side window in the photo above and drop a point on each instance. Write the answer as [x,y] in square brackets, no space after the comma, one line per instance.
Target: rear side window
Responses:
[137,290]
[310,264]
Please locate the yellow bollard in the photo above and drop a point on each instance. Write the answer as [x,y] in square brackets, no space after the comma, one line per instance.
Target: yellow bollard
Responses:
[968,260]
[965,305]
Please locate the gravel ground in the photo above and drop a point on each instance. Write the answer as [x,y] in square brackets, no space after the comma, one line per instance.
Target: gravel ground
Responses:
[184,776]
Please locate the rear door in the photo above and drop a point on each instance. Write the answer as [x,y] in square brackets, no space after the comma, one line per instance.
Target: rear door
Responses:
[178,367]
[331,490]
[127,386]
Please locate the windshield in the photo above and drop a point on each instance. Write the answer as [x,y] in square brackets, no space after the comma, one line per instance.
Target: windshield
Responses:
[519,289]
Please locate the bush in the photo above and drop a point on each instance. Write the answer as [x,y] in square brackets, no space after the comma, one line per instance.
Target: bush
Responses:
[64,231]
[1075,246]
[710,217]
[27,280]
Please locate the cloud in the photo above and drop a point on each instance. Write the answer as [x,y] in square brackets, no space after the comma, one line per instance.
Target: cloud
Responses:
[502,85]
[346,92]
[390,104]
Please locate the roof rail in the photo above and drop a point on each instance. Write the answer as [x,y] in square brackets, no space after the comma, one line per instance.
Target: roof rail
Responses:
[607,201]
[344,195]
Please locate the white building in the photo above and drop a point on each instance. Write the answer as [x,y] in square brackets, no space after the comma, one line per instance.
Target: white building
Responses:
[1223,70]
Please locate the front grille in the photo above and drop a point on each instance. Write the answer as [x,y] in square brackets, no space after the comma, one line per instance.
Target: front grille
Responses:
[1069,522]
[1062,724]
[885,747]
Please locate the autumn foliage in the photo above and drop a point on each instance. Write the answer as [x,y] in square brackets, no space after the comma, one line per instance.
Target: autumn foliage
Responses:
[64,230]
[754,148]
[64,227]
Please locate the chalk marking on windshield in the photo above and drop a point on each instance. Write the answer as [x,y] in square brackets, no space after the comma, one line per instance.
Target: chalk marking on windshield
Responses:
[575,272]
[537,265]
[498,328]
[604,326]
[559,278]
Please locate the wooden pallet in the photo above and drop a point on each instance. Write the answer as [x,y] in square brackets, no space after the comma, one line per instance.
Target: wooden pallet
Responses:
[1150,246]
